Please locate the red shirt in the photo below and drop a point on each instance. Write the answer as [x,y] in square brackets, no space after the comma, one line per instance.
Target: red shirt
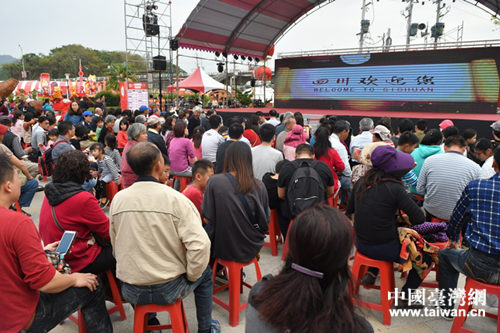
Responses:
[121,139]
[252,137]
[24,267]
[80,213]
[195,195]
[335,163]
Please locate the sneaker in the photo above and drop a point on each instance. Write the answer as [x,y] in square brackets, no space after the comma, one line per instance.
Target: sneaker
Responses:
[103,202]
[215,327]
[404,304]
[40,188]
[446,314]
[369,279]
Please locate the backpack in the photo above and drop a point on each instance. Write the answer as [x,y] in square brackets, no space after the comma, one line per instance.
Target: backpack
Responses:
[305,188]
[46,161]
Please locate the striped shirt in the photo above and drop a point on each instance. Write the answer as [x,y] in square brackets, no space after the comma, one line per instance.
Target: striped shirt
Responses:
[480,199]
[442,180]
[108,168]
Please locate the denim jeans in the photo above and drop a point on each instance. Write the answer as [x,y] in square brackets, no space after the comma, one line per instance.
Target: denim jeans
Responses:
[89,184]
[390,252]
[28,191]
[345,188]
[54,308]
[169,292]
[472,263]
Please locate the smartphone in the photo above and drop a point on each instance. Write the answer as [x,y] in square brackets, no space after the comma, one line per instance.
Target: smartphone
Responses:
[66,242]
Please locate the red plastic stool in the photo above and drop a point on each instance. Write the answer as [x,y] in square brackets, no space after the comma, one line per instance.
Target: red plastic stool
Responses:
[18,207]
[470,284]
[285,246]
[438,220]
[334,201]
[117,300]
[178,322]
[274,233]
[387,285]
[111,190]
[183,181]
[235,287]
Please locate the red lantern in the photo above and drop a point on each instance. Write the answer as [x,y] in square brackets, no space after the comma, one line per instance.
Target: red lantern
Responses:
[258,73]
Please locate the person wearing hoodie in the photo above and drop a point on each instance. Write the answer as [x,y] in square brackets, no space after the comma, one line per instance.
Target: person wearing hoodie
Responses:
[68,207]
[293,139]
[430,145]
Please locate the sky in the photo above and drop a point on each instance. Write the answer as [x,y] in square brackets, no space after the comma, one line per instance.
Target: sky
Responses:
[39,26]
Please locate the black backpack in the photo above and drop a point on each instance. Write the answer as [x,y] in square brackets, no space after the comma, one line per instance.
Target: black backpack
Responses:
[306,187]
[46,160]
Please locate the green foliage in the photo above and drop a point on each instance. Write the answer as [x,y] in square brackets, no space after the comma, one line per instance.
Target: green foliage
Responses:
[245,98]
[65,59]
[112,99]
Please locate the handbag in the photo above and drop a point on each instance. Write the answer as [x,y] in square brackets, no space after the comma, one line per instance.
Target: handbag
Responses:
[59,264]
[252,218]
[90,241]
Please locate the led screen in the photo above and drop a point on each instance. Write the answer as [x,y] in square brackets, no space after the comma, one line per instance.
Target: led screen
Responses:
[461,81]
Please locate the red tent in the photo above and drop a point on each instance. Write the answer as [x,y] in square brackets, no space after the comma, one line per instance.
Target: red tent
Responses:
[199,81]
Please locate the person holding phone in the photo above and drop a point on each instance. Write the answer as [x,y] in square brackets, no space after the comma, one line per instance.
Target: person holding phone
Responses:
[38,297]
[68,207]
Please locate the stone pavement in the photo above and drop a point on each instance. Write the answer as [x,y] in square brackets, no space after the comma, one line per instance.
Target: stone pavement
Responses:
[272,265]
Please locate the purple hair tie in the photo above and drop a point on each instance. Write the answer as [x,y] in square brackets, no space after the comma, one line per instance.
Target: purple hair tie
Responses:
[307,271]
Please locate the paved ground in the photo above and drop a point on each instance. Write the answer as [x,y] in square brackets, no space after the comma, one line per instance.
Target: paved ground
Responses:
[270,264]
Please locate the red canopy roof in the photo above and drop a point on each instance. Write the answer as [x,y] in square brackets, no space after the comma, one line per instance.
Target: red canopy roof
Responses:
[251,27]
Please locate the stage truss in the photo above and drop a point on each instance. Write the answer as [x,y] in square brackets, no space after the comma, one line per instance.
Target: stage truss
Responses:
[136,41]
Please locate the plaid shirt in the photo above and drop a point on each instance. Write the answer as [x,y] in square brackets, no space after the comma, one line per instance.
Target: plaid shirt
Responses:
[479,209]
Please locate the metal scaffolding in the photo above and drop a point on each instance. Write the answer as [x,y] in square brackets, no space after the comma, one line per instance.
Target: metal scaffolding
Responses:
[136,41]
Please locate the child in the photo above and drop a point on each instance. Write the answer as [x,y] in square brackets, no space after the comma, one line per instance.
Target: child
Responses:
[165,177]
[100,124]
[111,151]
[53,134]
[108,172]
[202,171]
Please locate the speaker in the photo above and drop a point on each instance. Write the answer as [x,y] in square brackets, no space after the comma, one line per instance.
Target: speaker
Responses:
[174,44]
[159,63]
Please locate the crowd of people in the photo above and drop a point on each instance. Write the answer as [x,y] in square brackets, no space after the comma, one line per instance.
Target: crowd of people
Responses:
[240,168]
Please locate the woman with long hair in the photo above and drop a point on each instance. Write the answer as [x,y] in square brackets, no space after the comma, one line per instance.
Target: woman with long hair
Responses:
[311,293]
[196,140]
[74,113]
[235,204]
[376,200]
[323,151]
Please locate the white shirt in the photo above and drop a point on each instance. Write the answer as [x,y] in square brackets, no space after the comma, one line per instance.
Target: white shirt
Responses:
[487,170]
[360,140]
[340,148]
[209,143]
[273,121]
[245,140]
[264,159]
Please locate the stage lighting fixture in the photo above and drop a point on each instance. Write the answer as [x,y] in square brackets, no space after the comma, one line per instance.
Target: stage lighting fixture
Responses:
[422,26]
[220,67]
[150,24]
[243,58]
[413,29]
[174,44]
[217,54]
[365,26]
[235,56]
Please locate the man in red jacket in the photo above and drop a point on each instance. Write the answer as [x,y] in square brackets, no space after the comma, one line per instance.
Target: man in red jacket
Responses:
[35,296]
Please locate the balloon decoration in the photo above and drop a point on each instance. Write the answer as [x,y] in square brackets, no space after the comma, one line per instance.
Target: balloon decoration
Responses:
[7,87]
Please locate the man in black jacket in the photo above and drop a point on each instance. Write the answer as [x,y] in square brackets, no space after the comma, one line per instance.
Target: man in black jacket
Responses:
[154,126]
